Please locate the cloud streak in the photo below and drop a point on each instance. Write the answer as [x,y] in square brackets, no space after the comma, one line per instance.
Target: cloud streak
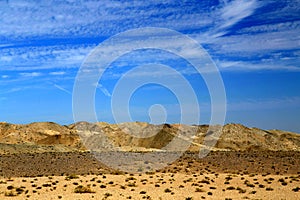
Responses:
[103,90]
[31,74]
[62,89]
[235,11]
[214,27]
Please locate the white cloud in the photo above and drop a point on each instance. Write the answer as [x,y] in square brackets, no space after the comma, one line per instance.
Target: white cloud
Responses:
[104,90]
[57,73]
[95,18]
[105,18]
[6,45]
[277,27]
[6,58]
[255,66]
[62,89]
[258,43]
[4,76]
[32,58]
[12,90]
[237,10]
[31,74]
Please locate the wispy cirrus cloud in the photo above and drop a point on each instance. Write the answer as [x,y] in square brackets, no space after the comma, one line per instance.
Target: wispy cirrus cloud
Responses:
[260,42]
[4,76]
[12,90]
[62,89]
[226,29]
[43,57]
[235,11]
[57,73]
[31,74]
[103,90]
[248,66]
[94,18]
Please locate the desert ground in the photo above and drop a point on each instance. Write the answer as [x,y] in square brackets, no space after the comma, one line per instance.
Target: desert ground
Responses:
[220,175]
[50,163]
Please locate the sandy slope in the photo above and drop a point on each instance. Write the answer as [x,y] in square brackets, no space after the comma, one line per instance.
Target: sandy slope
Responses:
[144,136]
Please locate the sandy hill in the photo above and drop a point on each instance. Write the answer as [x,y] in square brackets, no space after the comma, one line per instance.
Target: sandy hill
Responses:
[49,136]
[37,137]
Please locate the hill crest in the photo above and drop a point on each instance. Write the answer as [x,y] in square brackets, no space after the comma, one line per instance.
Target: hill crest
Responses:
[141,136]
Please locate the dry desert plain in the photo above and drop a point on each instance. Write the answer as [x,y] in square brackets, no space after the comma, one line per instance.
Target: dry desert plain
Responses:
[50,161]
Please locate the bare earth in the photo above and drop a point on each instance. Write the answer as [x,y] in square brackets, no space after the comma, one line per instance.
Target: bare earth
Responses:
[156,186]
[50,161]
[220,175]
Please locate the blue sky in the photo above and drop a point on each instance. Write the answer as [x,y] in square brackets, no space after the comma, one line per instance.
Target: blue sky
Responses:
[254,44]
